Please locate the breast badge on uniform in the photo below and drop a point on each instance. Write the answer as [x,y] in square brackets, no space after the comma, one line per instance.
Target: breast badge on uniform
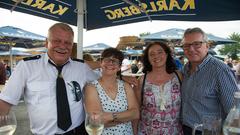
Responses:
[76,90]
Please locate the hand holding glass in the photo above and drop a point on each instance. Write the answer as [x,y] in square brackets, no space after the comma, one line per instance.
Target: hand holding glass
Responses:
[94,123]
[211,126]
[8,124]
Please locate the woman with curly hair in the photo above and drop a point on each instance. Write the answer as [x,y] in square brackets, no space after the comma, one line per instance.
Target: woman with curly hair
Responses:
[158,93]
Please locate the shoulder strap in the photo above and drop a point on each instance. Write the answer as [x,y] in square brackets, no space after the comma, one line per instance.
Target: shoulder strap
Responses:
[79,60]
[32,58]
[142,89]
[179,79]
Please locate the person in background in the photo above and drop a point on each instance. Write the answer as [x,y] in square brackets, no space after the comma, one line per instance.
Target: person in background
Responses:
[176,59]
[178,63]
[98,71]
[140,67]
[235,63]
[228,61]
[237,71]
[134,67]
[2,73]
[208,84]
[158,93]
[37,79]
[126,65]
[114,97]
[8,69]
[181,58]
[88,57]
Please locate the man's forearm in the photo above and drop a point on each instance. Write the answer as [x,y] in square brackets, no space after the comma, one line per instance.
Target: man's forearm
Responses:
[4,107]
[93,64]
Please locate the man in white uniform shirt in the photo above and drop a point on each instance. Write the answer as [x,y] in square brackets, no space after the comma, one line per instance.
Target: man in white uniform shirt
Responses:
[35,78]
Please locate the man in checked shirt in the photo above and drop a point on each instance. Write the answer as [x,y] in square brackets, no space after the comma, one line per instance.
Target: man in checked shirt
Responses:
[208,85]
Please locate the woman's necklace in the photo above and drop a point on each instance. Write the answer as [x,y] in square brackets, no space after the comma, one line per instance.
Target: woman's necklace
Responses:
[109,88]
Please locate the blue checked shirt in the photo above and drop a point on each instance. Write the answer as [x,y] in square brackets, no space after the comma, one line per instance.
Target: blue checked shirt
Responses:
[208,91]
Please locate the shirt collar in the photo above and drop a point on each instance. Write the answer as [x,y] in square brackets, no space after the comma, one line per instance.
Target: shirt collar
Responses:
[46,58]
[205,61]
[200,66]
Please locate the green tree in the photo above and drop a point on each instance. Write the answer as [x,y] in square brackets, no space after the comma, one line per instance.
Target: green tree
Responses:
[144,34]
[232,50]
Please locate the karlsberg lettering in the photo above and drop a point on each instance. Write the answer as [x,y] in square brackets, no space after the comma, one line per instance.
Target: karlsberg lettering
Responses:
[43,5]
[155,6]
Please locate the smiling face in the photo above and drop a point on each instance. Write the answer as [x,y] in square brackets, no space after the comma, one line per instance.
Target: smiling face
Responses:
[59,45]
[110,66]
[196,49]
[111,61]
[157,56]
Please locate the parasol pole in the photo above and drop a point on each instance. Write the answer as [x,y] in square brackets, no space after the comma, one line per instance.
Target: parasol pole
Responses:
[80,13]
[11,57]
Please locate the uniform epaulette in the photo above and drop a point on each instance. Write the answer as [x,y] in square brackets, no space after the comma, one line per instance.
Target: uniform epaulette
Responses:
[32,58]
[79,60]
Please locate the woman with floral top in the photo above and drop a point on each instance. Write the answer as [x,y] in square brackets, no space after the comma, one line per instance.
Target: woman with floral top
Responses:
[160,97]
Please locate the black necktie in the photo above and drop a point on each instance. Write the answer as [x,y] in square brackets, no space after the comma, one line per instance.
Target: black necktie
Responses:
[63,112]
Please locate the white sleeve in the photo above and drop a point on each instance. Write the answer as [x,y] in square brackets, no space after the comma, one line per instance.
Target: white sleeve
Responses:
[15,85]
[90,74]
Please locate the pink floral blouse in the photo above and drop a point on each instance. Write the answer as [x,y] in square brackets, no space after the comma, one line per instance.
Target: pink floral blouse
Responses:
[160,112]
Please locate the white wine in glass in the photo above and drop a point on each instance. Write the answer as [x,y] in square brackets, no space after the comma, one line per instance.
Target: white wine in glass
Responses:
[93,123]
[8,124]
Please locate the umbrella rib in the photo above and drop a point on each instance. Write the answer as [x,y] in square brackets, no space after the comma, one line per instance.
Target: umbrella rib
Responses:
[15,5]
[139,7]
[140,4]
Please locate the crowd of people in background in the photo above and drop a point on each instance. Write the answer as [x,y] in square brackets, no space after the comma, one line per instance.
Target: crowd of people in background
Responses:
[235,66]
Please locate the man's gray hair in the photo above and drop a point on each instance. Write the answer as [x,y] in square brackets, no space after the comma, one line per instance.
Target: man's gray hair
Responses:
[196,30]
[63,26]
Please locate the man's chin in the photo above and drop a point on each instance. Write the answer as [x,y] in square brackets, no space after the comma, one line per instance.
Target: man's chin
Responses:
[195,60]
[61,60]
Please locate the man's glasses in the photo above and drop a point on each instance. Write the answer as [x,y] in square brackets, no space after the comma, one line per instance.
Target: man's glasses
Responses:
[195,45]
[114,61]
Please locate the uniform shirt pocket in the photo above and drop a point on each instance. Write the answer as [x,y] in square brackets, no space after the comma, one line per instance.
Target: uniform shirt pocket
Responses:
[39,92]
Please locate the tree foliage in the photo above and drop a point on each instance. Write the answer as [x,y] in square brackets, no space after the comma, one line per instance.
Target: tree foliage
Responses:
[144,34]
[232,50]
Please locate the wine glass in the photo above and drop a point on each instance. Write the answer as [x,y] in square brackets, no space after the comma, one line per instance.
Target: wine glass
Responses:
[8,123]
[211,125]
[94,123]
